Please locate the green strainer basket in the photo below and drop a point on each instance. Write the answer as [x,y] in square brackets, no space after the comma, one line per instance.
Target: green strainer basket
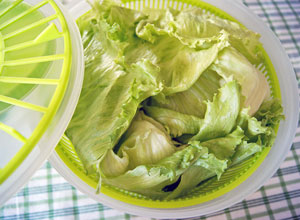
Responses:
[35,86]
[237,182]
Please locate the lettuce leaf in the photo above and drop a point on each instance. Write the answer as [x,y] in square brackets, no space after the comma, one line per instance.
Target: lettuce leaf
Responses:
[178,63]
[244,151]
[259,130]
[191,101]
[151,179]
[145,142]
[231,63]
[221,114]
[175,123]
[194,22]
[204,168]
[224,147]
[111,93]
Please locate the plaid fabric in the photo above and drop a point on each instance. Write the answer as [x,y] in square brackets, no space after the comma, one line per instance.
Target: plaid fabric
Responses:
[49,196]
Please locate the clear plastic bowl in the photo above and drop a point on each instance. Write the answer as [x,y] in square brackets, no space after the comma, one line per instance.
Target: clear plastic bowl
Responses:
[286,131]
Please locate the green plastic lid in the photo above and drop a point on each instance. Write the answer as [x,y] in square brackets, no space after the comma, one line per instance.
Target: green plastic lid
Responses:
[37,73]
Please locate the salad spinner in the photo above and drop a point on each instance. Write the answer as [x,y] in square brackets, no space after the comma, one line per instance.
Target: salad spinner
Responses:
[53,107]
[237,182]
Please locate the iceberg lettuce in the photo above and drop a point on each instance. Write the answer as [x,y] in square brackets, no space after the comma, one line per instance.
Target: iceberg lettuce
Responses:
[170,98]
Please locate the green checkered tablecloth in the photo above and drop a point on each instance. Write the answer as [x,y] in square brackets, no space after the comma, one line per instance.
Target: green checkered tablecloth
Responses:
[49,196]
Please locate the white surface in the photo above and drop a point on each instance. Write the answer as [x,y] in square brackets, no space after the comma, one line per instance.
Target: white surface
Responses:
[58,125]
[272,162]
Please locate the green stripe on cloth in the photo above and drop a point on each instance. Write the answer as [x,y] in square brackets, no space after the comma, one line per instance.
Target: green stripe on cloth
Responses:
[49,186]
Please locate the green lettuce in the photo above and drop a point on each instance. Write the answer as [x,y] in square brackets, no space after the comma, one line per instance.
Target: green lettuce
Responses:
[224,147]
[194,22]
[154,179]
[191,101]
[204,168]
[220,116]
[178,62]
[176,123]
[244,151]
[145,142]
[170,98]
[111,91]
[231,63]
[259,130]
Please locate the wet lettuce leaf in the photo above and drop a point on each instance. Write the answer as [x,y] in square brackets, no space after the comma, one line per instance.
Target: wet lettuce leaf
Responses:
[146,142]
[220,116]
[231,63]
[112,91]
[176,123]
[192,101]
[244,151]
[221,113]
[195,22]
[152,179]
[204,168]
[224,147]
